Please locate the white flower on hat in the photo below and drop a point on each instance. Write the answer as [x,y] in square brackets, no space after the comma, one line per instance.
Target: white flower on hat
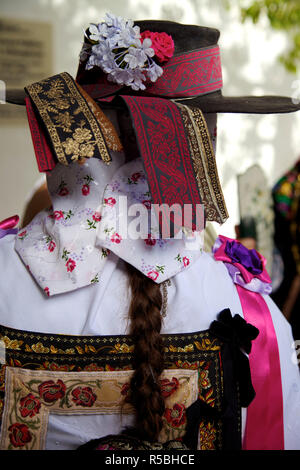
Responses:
[120,52]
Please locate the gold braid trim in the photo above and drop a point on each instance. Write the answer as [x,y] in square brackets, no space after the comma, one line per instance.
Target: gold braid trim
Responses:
[109,132]
[204,163]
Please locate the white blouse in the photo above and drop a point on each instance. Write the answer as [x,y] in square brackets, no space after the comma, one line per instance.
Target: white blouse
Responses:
[195,297]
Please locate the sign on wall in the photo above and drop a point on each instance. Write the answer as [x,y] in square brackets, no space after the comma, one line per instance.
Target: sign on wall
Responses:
[26,56]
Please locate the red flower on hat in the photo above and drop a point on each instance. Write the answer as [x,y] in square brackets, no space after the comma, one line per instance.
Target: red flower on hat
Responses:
[85,190]
[162,44]
[153,275]
[47,291]
[71,265]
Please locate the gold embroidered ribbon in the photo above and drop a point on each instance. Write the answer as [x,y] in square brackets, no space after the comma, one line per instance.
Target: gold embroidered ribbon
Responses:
[204,163]
[74,130]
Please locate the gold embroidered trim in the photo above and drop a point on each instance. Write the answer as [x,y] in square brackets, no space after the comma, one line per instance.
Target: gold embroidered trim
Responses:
[110,134]
[58,100]
[31,395]
[204,164]
[164,286]
[90,346]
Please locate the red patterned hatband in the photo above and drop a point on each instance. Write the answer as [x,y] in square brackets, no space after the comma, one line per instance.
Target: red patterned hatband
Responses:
[185,75]
[196,73]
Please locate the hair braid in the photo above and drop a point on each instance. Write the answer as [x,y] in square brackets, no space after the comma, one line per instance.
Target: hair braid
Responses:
[148,362]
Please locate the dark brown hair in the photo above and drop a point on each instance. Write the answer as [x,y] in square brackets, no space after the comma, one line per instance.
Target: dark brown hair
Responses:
[148,362]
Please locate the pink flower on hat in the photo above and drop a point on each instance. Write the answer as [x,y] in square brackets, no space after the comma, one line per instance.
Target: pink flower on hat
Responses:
[162,43]
[71,265]
[153,275]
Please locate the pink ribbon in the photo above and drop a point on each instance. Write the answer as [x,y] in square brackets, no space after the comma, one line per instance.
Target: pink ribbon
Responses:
[7,226]
[264,425]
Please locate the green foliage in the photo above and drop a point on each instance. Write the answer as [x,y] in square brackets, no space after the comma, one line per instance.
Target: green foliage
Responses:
[283,15]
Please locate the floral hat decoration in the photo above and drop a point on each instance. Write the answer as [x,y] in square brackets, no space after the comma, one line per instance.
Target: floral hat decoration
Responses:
[127,56]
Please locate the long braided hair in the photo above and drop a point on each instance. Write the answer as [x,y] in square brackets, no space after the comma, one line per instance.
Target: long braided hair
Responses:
[148,361]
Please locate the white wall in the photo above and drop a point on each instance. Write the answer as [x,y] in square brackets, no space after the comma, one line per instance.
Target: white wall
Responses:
[249,67]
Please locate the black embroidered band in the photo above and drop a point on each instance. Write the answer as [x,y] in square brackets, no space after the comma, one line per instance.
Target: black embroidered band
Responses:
[73,130]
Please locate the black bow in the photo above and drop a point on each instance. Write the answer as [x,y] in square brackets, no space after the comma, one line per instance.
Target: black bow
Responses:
[237,334]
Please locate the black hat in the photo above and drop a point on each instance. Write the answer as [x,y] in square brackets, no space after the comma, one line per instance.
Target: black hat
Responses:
[196,60]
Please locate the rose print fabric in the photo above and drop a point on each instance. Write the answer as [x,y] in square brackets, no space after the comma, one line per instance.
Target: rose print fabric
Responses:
[157,258]
[66,246]
[58,246]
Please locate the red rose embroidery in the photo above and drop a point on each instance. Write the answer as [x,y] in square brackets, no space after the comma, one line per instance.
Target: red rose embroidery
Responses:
[47,291]
[71,265]
[168,387]
[57,215]
[162,44]
[153,275]
[110,201]
[97,217]
[136,176]
[83,396]
[50,391]
[116,238]
[176,416]
[51,246]
[147,204]
[63,191]
[85,189]
[186,261]
[19,434]
[29,406]
[125,389]
[150,241]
